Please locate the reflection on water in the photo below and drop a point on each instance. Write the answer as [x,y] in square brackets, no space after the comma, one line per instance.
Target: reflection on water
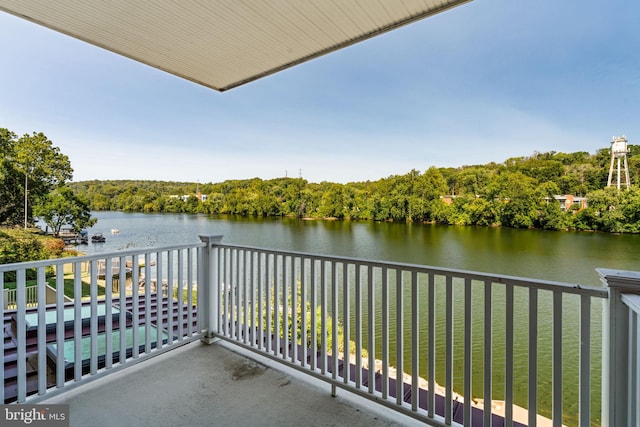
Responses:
[562,256]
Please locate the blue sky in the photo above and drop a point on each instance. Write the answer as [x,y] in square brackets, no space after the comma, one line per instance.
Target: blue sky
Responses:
[482,82]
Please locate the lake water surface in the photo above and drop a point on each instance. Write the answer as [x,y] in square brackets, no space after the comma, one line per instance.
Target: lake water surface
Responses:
[562,256]
[559,256]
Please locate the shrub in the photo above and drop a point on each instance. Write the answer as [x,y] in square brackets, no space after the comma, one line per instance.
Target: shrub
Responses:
[19,245]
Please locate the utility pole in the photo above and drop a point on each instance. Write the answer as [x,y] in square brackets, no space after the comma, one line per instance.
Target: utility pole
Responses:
[26,180]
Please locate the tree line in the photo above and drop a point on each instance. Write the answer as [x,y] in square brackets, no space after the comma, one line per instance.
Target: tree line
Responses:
[518,192]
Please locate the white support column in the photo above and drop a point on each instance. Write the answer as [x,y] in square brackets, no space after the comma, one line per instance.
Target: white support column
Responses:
[208,295]
[615,343]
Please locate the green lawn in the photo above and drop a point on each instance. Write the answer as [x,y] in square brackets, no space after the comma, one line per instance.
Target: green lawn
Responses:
[68,285]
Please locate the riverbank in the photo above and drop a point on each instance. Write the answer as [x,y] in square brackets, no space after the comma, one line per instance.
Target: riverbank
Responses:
[520,414]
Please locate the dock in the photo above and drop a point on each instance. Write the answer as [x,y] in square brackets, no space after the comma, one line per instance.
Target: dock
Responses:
[73,238]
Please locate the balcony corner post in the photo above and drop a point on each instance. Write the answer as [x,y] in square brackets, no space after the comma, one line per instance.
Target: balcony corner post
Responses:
[208,296]
[615,345]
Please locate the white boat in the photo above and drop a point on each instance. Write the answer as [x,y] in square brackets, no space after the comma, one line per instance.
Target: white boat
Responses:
[114,231]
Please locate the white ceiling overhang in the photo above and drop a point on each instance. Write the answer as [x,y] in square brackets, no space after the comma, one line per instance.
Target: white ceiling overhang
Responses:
[222,44]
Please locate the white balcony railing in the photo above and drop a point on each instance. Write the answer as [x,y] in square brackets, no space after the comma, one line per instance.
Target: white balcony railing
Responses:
[440,345]
[120,314]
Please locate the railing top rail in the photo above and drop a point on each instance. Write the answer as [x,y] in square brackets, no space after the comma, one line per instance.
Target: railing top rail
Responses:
[82,258]
[464,274]
[632,301]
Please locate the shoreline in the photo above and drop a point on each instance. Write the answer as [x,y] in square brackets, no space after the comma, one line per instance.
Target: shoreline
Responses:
[520,414]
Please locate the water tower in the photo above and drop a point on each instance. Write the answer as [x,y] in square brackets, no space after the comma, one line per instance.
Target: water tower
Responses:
[619,151]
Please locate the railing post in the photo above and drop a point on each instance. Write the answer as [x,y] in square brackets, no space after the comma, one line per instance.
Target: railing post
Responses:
[615,345]
[208,295]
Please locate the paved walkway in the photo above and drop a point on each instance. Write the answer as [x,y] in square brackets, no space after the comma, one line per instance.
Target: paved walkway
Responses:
[218,385]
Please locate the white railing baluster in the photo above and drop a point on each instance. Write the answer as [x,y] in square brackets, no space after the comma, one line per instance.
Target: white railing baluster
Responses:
[169,297]
[193,285]
[233,291]
[42,332]
[314,315]
[179,291]
[269,302]
[633,367]
[220,288]
[533,357]
[371,329]
[557,360]
[286,289]
[159,299]
[21,331]
[399,337]
[448,403]
[468,350]
[122,320]
[508,351]
[334,325]
[233,294]
[358,330]
[294,310]
[431,347]
[77,314]
[108,295]
[385,333]
[277,319]
[635,357]
[93,324]
[246,276]
[147,304]
[415,340]
[346,325]
[584,380]
[60,327]
[488,352]
[323,318]
[135,305]
[108,319]
[304,338]
[215,287]
[227,290]
[253,278]
[262,277]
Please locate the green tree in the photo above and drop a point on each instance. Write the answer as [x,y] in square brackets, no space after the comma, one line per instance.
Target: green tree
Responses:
[41,165]
[521,201]
[332,204]
[10,207]
[62,207]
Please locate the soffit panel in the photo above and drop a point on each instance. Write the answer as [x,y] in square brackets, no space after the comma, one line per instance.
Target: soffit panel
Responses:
[224,43]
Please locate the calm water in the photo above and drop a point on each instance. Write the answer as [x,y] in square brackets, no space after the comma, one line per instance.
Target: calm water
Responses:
[561,256]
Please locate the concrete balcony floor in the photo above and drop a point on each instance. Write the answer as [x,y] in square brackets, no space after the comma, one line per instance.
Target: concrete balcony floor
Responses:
[218,385]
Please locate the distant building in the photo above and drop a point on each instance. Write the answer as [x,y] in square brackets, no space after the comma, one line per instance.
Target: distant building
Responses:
[569,200]
[447,199]
[566,201]
[185,197]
